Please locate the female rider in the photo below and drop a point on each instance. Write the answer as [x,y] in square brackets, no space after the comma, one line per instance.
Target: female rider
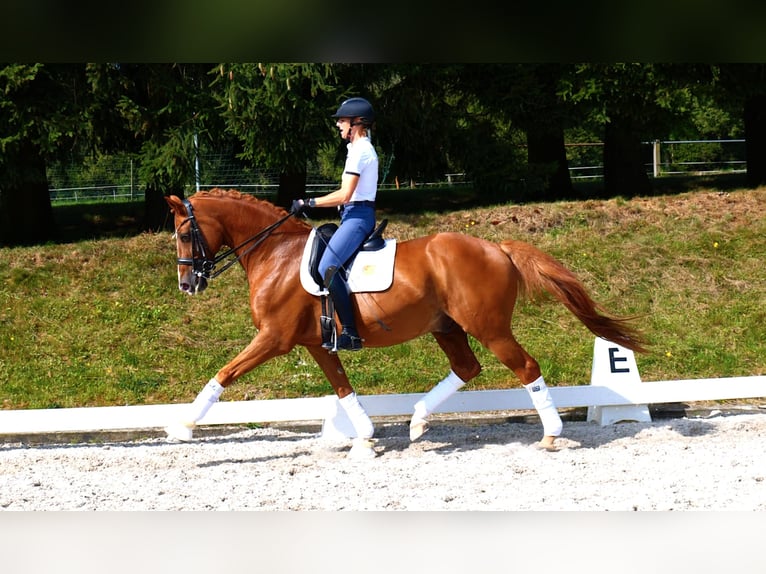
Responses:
[356,202]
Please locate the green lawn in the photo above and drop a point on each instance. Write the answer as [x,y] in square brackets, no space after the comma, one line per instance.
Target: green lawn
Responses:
[100,321]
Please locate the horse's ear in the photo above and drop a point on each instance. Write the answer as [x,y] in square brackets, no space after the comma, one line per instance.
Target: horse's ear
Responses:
[175,204]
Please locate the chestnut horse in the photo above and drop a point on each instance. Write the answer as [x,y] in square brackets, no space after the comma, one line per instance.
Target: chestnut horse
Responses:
[447,284]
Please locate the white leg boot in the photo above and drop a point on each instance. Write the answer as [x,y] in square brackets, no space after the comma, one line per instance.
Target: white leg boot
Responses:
[428,404]
[549,416]
[207,397]
[361,446]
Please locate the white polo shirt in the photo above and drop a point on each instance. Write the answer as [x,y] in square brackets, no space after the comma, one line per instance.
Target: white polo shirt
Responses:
[362,160]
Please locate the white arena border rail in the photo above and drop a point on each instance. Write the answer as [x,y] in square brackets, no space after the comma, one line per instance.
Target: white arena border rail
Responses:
[615,394]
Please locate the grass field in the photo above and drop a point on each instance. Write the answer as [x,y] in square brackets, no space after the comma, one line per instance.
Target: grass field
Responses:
[99,320]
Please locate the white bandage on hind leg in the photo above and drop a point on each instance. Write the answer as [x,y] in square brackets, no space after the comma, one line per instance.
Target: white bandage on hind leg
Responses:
[205,399]
[543,402]
[358,416]
[436,396]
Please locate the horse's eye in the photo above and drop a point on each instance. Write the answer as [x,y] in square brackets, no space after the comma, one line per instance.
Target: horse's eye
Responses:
[185,237]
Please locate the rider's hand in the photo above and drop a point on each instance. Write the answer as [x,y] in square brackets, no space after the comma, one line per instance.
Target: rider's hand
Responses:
[301,205]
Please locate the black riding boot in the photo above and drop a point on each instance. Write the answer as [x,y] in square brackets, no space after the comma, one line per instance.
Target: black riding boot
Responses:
[349,339]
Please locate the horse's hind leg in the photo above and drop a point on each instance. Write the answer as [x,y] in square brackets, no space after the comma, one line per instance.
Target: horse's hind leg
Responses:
[512,355]
[464,365]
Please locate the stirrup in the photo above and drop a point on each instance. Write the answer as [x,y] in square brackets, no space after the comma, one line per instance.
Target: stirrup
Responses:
[329,345]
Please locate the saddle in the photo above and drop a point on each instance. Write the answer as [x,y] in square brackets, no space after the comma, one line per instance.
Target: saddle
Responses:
[373,243]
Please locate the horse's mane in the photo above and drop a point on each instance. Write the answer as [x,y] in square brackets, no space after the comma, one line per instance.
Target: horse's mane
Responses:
[237,195]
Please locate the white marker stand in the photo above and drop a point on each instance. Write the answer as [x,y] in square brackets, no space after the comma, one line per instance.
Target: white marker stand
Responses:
[615,367]
[336,425]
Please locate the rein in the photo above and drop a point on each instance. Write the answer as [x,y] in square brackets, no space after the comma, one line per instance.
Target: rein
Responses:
[200,261]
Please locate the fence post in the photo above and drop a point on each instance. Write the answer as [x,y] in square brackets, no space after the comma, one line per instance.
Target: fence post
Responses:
[656,157]
[196,160]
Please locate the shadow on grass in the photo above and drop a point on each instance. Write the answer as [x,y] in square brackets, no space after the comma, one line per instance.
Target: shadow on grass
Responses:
[77,222]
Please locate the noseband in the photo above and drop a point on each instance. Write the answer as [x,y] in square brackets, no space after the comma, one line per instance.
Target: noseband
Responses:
[201,262]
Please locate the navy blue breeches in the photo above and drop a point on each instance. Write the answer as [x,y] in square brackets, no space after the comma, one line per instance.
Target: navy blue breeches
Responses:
[356,223]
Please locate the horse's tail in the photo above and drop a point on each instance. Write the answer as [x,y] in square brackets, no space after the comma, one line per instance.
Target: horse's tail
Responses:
[540,272]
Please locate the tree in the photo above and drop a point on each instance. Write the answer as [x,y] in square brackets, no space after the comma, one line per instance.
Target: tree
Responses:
[743,88]
[544,120]
[156,111]
[525,97]
[281,115]
[40,119]
[633,102]
[417,119]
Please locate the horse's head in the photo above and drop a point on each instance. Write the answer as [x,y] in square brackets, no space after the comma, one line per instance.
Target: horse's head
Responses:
[210,219]
[196,250]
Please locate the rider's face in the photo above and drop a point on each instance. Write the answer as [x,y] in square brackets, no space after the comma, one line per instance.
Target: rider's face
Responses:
[344,125]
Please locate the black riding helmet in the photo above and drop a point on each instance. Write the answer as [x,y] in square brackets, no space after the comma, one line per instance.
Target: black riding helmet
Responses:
[356,108]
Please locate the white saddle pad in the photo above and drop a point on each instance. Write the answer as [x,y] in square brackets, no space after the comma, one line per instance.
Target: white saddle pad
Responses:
[370,270]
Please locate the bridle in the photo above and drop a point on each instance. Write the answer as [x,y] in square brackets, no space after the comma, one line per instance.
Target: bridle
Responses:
[201,262]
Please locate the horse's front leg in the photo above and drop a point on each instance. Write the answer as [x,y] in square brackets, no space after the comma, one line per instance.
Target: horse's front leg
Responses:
[262,348]
[336,374]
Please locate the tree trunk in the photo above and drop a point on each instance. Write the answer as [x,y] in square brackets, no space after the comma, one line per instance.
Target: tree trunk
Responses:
[26,215]
[755,140]
[291,186]
[547,159]
[624,170]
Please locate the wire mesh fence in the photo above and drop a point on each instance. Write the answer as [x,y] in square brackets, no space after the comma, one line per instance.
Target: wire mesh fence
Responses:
[115,178]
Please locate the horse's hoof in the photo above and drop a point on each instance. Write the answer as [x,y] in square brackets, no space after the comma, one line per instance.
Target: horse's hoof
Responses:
[418,428]
[361,448]
[179,432]
[548,443]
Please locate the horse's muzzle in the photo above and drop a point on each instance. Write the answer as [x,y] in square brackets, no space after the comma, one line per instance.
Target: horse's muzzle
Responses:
[191,284]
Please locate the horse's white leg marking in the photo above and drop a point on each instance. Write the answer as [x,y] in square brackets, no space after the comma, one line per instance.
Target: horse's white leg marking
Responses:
[543,402]
[208,396]
[428,404]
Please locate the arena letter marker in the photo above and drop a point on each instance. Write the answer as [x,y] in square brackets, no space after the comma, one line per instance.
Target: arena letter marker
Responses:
[615,367]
